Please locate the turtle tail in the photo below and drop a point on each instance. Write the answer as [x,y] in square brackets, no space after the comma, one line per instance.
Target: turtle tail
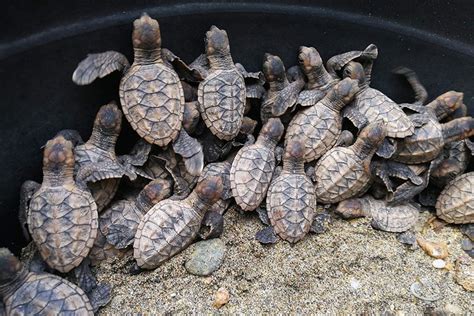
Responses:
[458,129]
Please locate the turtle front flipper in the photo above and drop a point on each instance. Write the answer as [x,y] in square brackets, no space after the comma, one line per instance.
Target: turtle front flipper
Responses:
[352,113]
[387,149]
[100,296]
[98,66]
[182,69]
[287,97]
[336,63]
[191,151]
[95,172]
[254,82]
[212,225]
[458,129]
[420,92]
[28,188]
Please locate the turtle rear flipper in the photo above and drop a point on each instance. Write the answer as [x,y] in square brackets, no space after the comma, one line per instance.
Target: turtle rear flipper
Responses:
[266,236]
[420,92]
[287,97]
[28,188]
[100,296]
[191,151]
[98,66]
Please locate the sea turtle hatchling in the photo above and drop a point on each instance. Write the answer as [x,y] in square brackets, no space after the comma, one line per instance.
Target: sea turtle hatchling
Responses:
[253,167]
[30,293]
[171,225]
[281,94]
[320,125]
[291,200]
[96,161]
[455,204]
[394,219]
[62,216]
[222,94]
[344,172]
[119,222]
[150,91]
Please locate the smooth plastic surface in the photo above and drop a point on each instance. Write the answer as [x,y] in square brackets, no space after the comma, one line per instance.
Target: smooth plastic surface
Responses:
[42,42]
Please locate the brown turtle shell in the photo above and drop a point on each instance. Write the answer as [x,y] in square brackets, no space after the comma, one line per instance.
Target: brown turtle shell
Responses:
[47,294]
[252,168]
[291,200]
[219,169]
[455,204]
[62,219]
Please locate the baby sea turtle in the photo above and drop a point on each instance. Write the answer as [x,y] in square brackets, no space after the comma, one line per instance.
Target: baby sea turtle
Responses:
[291,201]
[252,168]
[319,80]
[30,293]
[96,161]
[344,172]
[62,217]
[275,75]
[394,219]
[221,95]
[374,105]
[456,202]
[320,125]
[151,93]
[171,225]
[222,170]
[428,141]
[119,222]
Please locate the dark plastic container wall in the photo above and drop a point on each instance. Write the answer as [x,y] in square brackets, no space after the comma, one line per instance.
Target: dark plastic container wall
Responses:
[42,42]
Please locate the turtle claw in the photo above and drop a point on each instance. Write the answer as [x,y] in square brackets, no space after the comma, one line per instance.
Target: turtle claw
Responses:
[212,225]
[266,236]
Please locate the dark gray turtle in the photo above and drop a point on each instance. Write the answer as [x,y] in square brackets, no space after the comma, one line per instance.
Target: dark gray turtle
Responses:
[29,293]
[344,172]
[291,201]
[456,202]
[221,95]
[253,167]
[119,222]
[320,125]
[281,94]
[151,93]
[62,217]
[171,225]
[96,161]
[394,219]
[428,141]
[456,157]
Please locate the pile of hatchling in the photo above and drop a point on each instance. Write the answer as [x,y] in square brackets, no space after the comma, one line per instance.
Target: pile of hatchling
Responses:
[324,137]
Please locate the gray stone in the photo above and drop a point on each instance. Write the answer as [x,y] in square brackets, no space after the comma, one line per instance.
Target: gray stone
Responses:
[207,257]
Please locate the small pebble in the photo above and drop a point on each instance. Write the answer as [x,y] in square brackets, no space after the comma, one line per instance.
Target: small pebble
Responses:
[439,263]
[437,250]
[467,244]
[221,298]
[207,257]
[355,284]
[425,289]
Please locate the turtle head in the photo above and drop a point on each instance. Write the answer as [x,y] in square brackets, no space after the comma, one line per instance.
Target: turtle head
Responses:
[217,42]
[273,129]
[294,149]
[10,266]
[146,33]
[309,59]
[109,119]
[156,190]
[374,133]
[210,189]
[346,89]
[354,70]
[351,208]
[273,68]
[58,153]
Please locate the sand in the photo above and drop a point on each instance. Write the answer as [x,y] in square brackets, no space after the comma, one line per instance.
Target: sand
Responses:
[351,268]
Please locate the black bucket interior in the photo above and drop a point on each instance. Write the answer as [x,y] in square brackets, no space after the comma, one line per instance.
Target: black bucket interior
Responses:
[42,42]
